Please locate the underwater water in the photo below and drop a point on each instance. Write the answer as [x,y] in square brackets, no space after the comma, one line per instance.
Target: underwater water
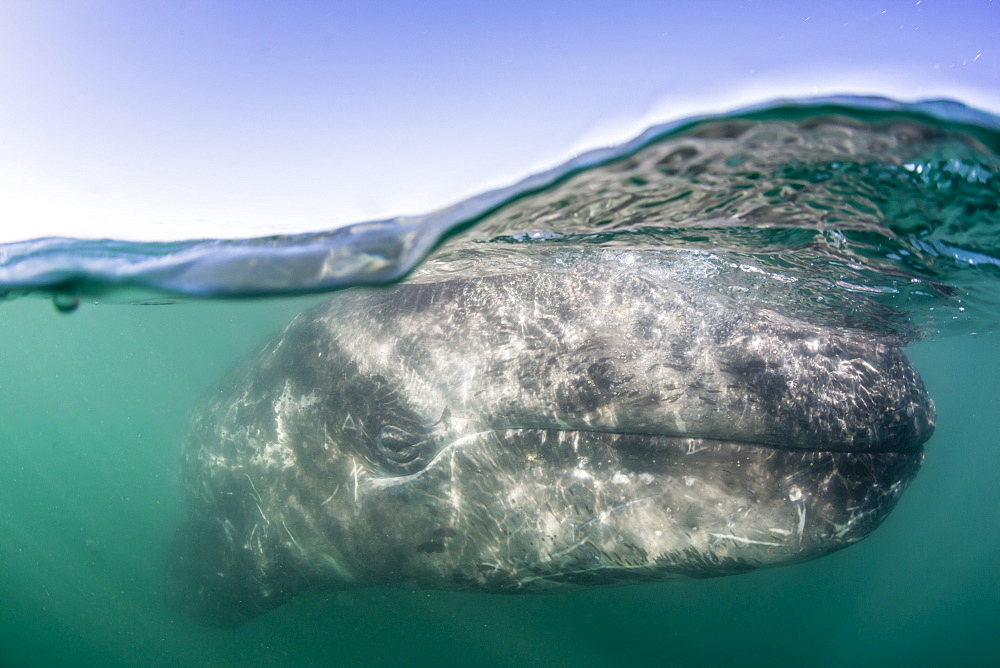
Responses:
[851,213]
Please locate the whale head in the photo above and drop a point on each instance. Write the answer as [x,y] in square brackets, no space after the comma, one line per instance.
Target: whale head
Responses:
[524,431]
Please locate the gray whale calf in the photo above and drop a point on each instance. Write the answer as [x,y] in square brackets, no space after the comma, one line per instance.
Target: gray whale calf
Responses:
[530,431]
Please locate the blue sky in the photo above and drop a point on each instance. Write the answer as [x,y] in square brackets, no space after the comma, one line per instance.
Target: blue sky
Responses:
[168,120]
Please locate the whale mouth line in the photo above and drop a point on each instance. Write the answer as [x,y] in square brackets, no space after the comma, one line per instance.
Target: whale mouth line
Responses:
[646,441]
[704,442]
[643,447]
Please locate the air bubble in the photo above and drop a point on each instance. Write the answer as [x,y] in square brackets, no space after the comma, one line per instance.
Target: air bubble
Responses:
[65,303]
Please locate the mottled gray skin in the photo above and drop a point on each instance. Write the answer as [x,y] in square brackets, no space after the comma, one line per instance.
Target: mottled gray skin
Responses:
[525,432]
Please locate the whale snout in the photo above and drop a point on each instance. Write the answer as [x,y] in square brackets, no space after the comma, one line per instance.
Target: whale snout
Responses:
[631,355]
[837,391]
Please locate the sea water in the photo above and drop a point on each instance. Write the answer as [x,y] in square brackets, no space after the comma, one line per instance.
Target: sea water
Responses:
[854,213]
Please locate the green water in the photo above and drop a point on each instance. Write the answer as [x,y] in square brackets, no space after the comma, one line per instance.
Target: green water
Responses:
[92,409]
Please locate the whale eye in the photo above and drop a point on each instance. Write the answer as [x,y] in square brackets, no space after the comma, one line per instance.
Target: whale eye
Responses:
[398,445]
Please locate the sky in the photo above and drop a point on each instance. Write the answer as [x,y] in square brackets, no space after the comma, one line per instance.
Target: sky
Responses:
[172,120]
